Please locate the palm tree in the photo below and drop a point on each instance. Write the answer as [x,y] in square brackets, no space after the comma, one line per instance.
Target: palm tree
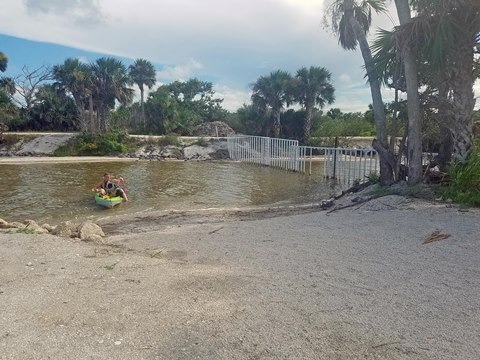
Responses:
[3,62]
[414,144]
[75,77]
[454,33]
[446,32]
[351,20]
[273,92]
[110,84]
[313,87]
[143,74]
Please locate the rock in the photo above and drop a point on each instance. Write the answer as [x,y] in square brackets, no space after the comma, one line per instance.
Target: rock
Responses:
[88,230]
[31,224]
[326,204]
[214,150]
[65,229]
[3,224]
[17,225]
[48,227]
[13,225]
[94,238]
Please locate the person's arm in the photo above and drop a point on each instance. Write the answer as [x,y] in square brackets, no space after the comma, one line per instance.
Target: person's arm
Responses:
[98,186]
[119,181]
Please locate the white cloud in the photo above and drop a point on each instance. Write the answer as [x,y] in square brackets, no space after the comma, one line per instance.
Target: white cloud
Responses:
[180,72]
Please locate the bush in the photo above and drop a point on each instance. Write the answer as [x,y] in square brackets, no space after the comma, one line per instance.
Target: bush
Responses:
[112,143]
[464,182]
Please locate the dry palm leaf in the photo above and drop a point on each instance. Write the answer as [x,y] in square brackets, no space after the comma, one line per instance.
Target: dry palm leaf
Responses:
[436,236]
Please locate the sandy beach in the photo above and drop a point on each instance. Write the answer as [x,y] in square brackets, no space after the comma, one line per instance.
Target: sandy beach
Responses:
[392,278]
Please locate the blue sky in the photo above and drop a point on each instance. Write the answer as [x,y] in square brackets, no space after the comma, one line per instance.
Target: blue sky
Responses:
[227,42]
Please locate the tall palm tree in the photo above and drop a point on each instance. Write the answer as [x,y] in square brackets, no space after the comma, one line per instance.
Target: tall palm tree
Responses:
[75,77]
[273,91]
[414,144]
[350,21]
[143,74]
[313,87]
[110,84]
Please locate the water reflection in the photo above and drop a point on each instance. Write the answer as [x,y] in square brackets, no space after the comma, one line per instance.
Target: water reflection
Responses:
[56,192]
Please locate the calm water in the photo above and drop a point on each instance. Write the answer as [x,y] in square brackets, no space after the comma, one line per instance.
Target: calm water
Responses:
[57,192]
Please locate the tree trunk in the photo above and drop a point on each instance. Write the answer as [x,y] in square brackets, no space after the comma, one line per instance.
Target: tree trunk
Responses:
[307,125]
[143,107]
[463,102]
[276,123]
[381,145]
[414,142]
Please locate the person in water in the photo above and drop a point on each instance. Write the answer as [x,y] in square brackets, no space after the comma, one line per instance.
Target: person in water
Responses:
[111,187]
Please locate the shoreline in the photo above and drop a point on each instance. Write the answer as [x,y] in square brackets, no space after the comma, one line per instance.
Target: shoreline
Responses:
[17,160]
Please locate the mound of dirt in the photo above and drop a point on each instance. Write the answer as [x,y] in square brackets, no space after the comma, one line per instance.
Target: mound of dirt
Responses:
[212,129]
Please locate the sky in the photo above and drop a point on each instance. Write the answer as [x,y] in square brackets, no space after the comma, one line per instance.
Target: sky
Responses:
[230,43]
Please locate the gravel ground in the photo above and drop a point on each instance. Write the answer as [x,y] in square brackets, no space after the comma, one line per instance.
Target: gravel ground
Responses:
[357,283]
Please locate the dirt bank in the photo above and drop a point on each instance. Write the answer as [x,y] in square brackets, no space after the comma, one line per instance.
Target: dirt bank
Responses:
[362,282]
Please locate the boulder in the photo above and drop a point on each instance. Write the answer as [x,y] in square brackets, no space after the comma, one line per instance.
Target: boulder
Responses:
[88,231]
[65,229]
[31,224]
[48,227]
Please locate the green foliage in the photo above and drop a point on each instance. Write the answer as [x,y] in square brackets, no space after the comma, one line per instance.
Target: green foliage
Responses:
[112,143]
[464,181]
[344,124]
[374,177]
[25,230]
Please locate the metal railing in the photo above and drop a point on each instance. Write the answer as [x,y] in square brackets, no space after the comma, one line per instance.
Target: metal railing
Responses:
[344,164]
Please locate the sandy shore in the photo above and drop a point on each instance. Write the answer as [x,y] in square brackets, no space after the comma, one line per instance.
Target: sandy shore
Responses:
[266,284]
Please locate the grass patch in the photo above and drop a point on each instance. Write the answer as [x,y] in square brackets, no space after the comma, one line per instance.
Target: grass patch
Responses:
[25,230]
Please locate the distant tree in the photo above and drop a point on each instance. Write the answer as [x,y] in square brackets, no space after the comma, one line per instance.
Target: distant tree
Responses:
[313,88]
[142,73]
[110,84]
[247,120]
[198,97]
[54,110]
[27,84]
[334,113]
[3,62]
[274,92]
[76,78]
[161,110]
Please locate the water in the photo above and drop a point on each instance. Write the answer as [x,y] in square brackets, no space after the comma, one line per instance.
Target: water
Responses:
[48,192]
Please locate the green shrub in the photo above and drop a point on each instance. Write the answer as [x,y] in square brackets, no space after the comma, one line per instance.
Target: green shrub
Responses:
[464,182]
[112,143]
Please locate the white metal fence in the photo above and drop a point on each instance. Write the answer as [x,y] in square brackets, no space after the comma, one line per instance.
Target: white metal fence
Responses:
[344,164]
